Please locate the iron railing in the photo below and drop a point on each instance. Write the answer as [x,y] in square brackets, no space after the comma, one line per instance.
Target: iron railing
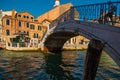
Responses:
[102,12]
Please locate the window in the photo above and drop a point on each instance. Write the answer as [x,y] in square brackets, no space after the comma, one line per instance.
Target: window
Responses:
[19,31]
[32,26]
[27,25]
[31,17]
[24,16]
[27,16]
[19,15]
[35,35]
[39,28]
[28,33]
[20,23]
[7,22]
[24,32]
[7,32]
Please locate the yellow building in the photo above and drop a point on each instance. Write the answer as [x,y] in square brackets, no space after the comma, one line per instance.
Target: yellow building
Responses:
[20,29]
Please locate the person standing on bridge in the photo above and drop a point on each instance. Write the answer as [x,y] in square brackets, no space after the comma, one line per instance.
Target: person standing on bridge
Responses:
[111,12]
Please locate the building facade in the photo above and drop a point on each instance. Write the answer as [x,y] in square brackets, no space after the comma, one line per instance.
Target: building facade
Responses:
[21,30]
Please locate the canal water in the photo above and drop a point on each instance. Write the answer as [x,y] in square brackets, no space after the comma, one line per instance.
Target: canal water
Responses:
[68,65]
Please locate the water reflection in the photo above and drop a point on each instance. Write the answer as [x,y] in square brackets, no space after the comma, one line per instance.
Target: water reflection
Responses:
[108,69]
[67,65]
[26,66]
[59,66]
[18,67]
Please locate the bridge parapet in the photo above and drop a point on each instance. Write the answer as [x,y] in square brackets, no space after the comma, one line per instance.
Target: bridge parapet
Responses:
[103,13]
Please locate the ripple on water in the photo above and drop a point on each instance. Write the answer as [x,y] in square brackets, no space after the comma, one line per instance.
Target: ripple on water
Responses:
[1,70]
[38,76]
[28,73]
[37,67]
[4,61]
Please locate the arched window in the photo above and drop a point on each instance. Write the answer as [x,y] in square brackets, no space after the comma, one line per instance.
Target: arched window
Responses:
[7,32]
[7,22]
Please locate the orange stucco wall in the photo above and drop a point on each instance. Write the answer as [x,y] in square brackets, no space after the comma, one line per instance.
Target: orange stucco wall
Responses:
[54,13]
[14,27]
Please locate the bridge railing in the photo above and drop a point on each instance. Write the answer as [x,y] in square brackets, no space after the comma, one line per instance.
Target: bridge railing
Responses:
[102,13]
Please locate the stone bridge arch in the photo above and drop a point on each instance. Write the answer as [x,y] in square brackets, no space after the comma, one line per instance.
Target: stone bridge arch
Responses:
[108,35]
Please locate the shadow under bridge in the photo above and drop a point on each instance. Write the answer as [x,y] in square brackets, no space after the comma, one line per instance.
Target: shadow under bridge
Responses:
[106,34]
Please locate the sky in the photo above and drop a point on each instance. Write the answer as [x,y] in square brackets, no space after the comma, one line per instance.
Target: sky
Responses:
[38,7]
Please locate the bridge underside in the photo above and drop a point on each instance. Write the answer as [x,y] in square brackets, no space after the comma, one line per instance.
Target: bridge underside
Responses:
[55,42]
[105,33]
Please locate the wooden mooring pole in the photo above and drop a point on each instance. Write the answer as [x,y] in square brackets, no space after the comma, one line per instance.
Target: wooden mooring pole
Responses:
[93,55]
